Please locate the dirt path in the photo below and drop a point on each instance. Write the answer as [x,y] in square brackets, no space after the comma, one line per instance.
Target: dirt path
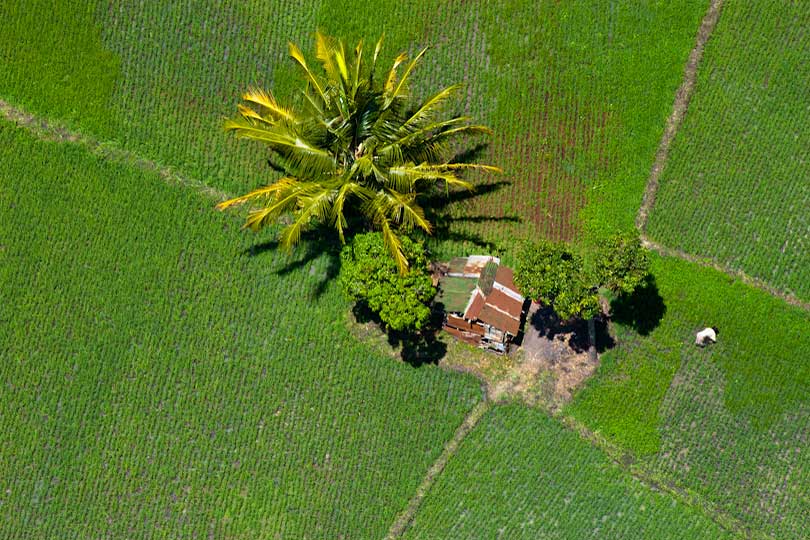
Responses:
[50,131]
[404,519]
[682,97]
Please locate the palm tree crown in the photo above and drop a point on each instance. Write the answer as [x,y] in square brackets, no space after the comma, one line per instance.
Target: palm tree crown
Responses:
[356,146]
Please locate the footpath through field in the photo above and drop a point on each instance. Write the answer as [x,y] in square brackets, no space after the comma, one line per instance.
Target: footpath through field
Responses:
[46,130]
[679,110]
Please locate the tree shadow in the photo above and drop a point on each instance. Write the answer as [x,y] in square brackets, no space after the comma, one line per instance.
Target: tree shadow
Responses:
[471,154]
[416,348]
[314,244]
[573,332]
[643,310]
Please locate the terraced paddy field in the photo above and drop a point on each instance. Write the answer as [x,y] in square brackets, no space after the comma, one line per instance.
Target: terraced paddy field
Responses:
[736,187]
[158,382]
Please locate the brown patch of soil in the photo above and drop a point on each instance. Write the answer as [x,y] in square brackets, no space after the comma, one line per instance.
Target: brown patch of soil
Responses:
[543,371]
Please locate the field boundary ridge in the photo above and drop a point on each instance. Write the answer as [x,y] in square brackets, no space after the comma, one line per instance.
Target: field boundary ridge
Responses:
[404,519]
[682,97]
[679,109]
[738,274]
[47,130]
[627,462]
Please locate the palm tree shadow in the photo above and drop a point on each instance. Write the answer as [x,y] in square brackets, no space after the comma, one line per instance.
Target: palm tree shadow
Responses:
[314,244]
[437,211]
[643,309]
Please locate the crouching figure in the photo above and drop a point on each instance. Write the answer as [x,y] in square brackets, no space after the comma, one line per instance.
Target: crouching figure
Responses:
[706,336]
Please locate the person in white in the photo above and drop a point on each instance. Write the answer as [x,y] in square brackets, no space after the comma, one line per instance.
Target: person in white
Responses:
[706,336]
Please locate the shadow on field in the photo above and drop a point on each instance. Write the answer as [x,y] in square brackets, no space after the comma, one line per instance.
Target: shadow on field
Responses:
[643,310]
[416,348]
[574,332]
[437,212]
[314,244]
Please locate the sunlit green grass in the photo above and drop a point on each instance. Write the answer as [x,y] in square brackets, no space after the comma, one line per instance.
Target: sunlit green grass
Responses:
[713,419]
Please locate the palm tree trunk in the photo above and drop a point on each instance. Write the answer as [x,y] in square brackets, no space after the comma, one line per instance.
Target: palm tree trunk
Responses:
[592,340]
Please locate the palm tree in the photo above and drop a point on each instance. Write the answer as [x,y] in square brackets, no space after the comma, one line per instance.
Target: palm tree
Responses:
[356,148]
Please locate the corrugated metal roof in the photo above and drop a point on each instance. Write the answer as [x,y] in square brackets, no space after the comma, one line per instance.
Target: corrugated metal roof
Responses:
[506,277]
[499,319]
[487,277]
[471,266]
[475,305]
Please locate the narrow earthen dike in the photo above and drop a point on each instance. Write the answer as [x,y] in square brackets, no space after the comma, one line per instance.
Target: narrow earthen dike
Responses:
[679,108]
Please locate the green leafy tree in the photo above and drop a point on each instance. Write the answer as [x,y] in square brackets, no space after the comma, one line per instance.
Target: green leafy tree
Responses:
[553,274]
[622,264]
[370,276]
[356,150]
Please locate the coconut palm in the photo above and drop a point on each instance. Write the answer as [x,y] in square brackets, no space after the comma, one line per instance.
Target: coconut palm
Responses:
[355,148]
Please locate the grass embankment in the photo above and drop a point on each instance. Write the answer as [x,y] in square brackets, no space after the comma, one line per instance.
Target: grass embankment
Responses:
[159,382]
[736,187]
[520,474]
[728,421]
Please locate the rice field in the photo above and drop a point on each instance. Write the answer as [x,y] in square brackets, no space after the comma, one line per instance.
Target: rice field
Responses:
[165,375]
[730,422]
[521,474]
[160,382]
[736,188]
[577,93]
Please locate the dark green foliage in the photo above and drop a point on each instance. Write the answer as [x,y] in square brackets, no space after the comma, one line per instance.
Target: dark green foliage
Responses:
[554,275]
[522,475]
[369,275]
[160,382]
[621,263]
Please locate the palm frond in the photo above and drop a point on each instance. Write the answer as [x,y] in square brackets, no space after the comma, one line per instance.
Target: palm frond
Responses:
[358,62]
[398,90]
[403,209]
[426,171]
[326,52]
[287,142]
[392,73]
[429,107]
[393,244]
[269,103]
[298,56]
[472,129]
[264,191]
[377,50]
[427,132]
[337,217]
[311,206]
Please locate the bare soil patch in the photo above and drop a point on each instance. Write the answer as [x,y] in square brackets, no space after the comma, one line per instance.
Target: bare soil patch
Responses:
[549,365]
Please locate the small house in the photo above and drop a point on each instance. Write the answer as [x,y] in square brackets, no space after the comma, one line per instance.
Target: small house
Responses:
[481,304]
